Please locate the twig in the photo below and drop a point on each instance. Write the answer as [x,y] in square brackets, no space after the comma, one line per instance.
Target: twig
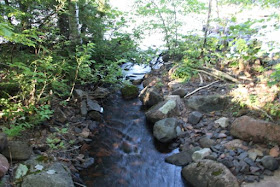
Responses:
[207,73]
[77,147]
[201,79]
[200,88]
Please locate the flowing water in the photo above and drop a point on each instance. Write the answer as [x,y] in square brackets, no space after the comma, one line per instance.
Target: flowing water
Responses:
[125,152]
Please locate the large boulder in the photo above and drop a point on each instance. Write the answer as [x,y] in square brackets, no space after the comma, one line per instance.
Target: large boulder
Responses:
[4,165]
[55,175]
[130,91]
[150,96]
[165,129]
[209,173]
[247,128]
[17,150]
[207,103]
[171,107]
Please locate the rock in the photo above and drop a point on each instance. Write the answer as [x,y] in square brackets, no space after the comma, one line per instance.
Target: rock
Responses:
[242,156]
[150,81]
[208,173]
[223,122]
[251,178]
[127,147]
[164,109]
[268,181]
[88,162]
[206,142]
[179,131]
[247,128]
[244,167]
[79,94]
[274,152]
[21,171]
[95,116]
[137,81]
[150,96]
[83,108]
[207,103]
[60,116]
[234,144]
[254,153]
[3,141]
[77,130]
[85,133]
[175,85]
[130,91]
[56,175]
[17,150]
[194,117]
[181,92]
[199,155]
[4,165]
[270,163]
[93,105]
[227,162]
[222,135]
[99,93]
[250,162]
[180,159]
[165,130]
[92,125]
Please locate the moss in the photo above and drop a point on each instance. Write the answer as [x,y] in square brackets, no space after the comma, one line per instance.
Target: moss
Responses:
[216,173]
[42,158]
[130,91]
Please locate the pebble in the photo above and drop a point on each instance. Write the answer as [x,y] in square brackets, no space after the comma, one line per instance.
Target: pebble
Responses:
[227,162]
[92,126]
[270,163]
[88,162]
[206,142]
[231,153]
[254,153]
[274,152]
[251,178]
[223,122]
[249,161]
[254,169]
[77,130]
[244,167]
[198,155]
[222,135]
[194,117]
[242,155]
[267,173]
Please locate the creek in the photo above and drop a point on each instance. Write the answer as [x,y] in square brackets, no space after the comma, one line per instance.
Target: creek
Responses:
[125,152]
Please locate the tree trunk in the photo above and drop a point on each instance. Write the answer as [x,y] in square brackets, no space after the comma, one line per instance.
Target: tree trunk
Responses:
[207,24]
[74,31]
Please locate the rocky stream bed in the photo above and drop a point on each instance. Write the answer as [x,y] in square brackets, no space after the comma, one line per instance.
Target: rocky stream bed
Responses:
[162,136]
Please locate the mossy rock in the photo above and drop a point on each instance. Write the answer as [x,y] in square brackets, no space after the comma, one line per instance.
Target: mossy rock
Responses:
[130,91]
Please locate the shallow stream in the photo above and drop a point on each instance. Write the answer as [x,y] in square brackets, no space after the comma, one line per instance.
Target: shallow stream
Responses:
[125,152]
